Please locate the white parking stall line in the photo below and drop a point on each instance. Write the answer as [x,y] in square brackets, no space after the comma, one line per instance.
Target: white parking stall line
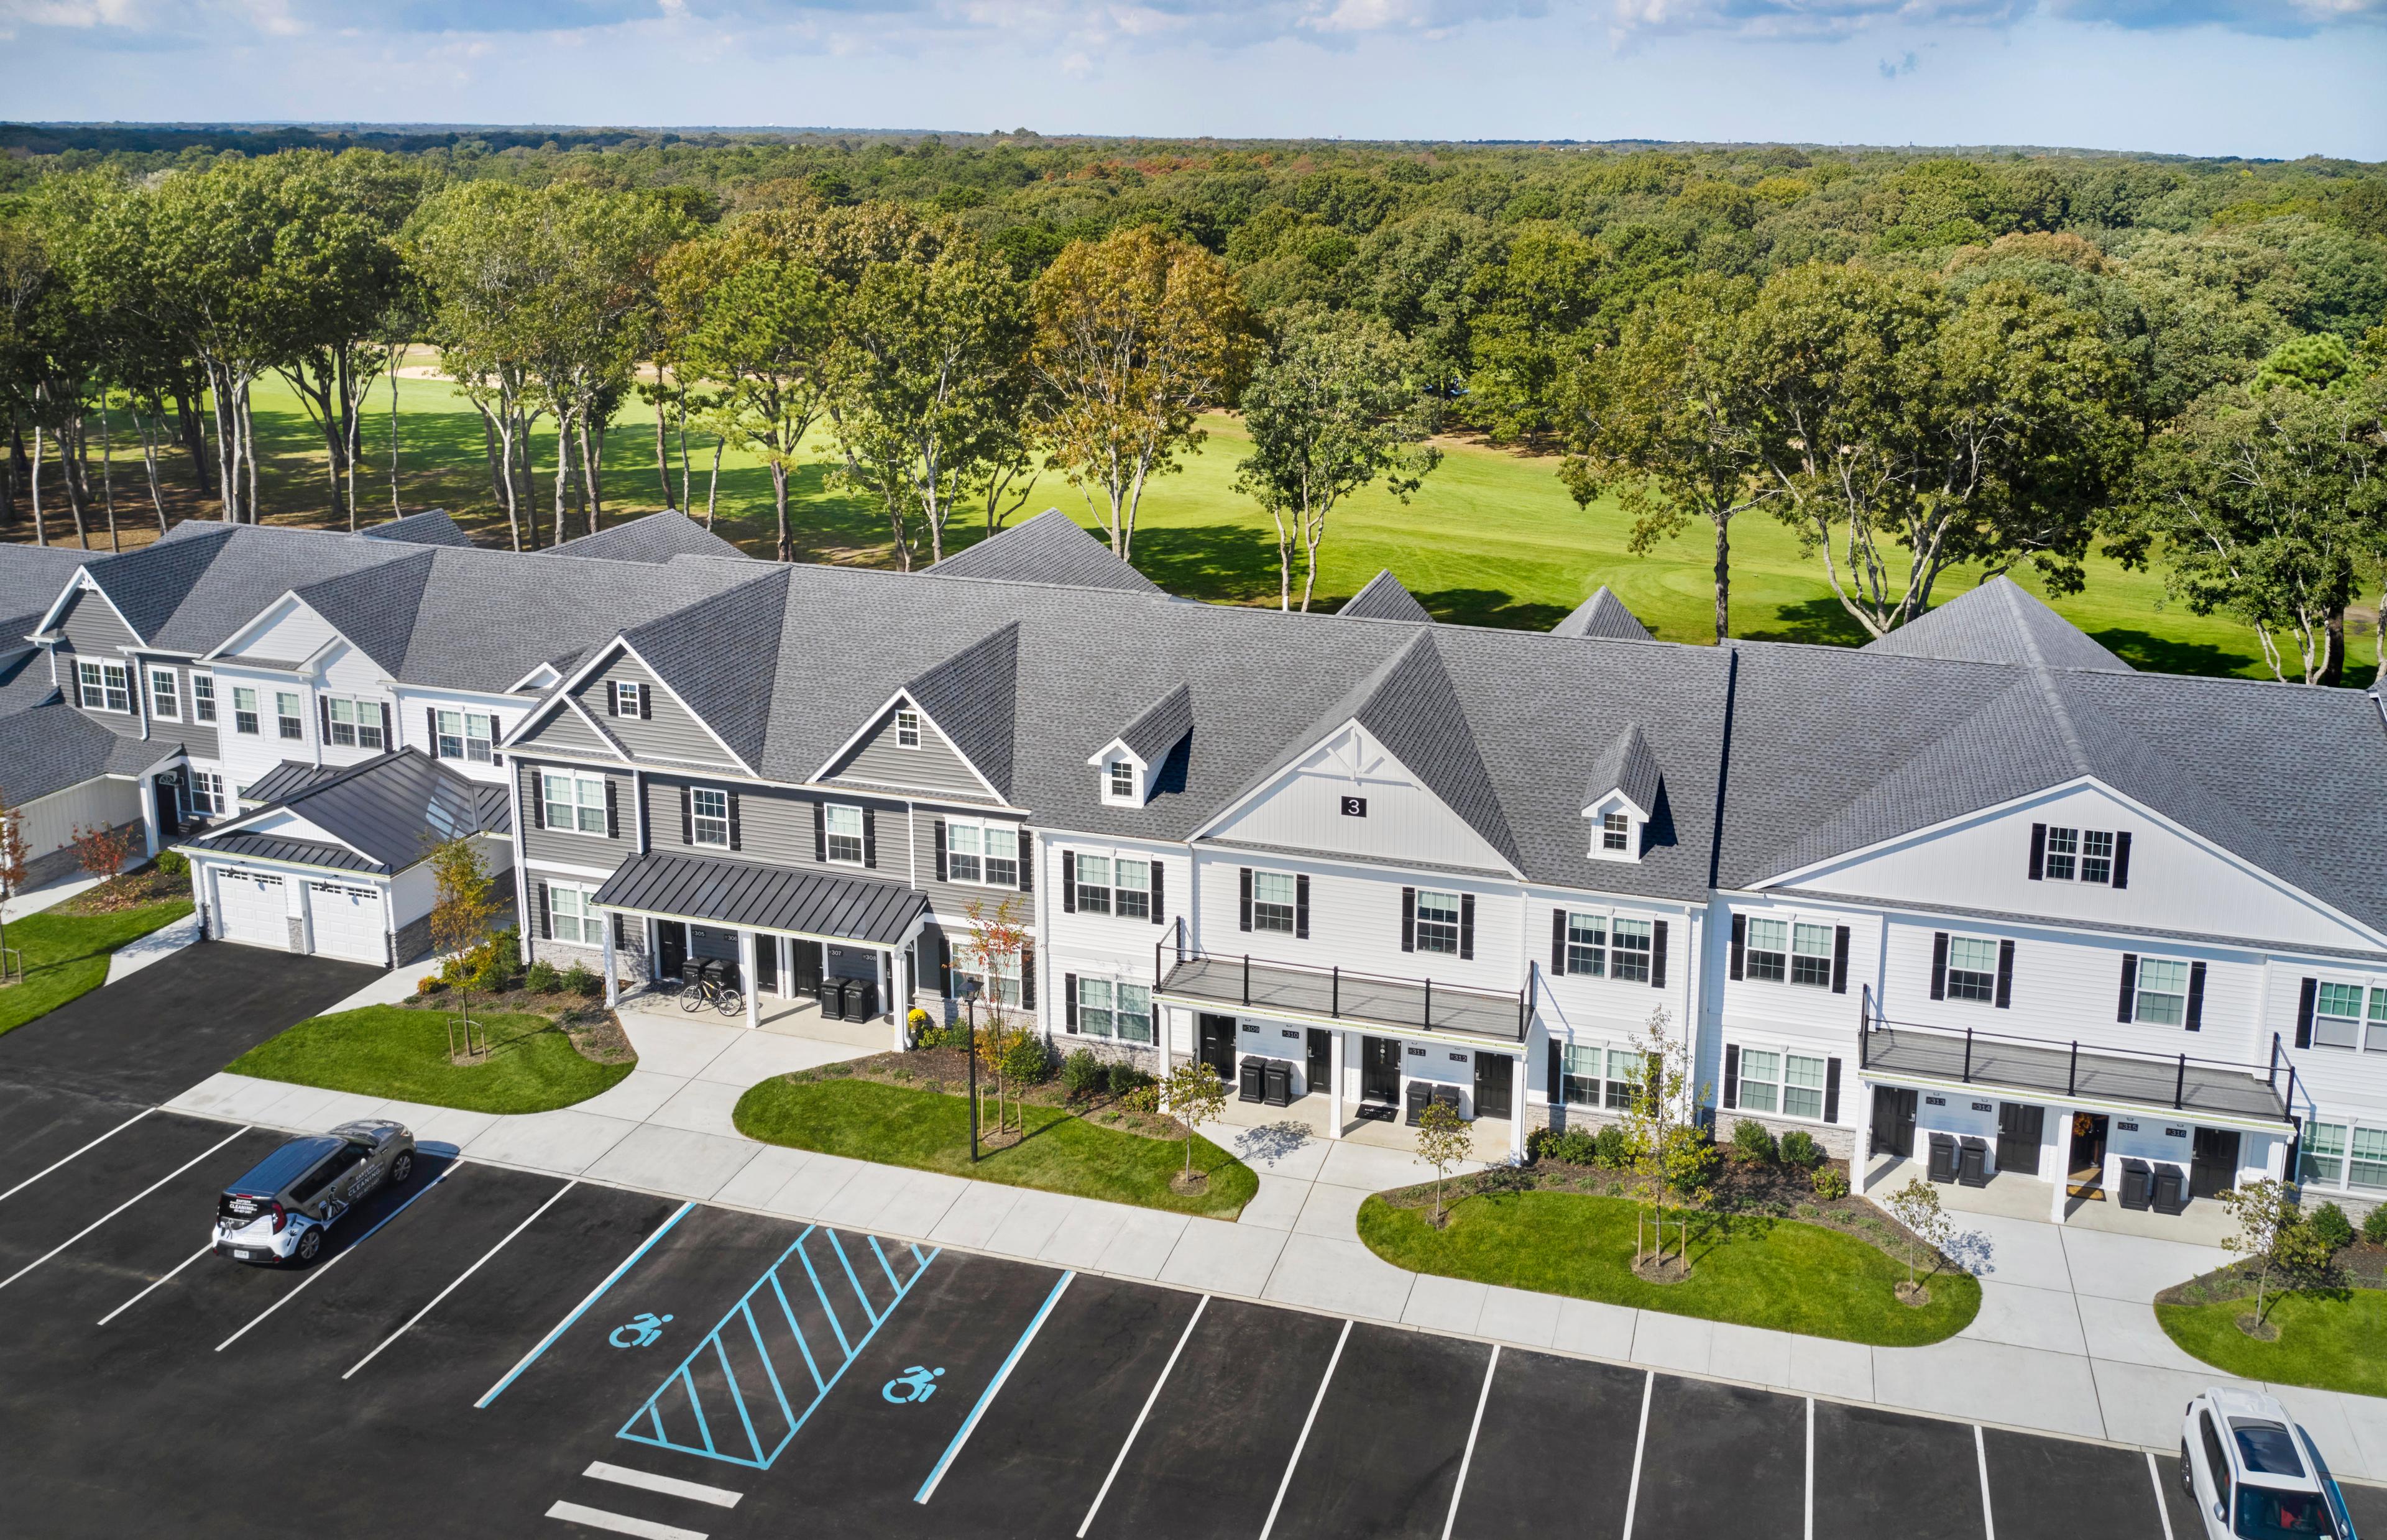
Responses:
[1811,1467]
[1315,1402]
[118,1209]
[307,1282]
[669,1486]
[1640,1442]
[594,1295]
[85,1150]
[467,1273]
[1981,1454]
[2163,1508]
[1121,1459]
[622,1524]
[1468,1458]
[993,1388]
[156,1284]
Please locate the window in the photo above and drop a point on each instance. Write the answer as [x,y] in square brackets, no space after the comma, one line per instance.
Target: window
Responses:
[355,723]
[2079,855]
[203,793]
[1760,1077]
[1122,780]
[1272,897]
[203,697]
[907,729]
[2337,1010]
[1000,986]
[1625,1076]
[1802,1086]
[1094,1007]
[708,816]
[1792,1085]
[984,853]
[572,917]
[285,713]
[626,698]
[1971,969]
[243,709]
[1437,922]
[1131,892]
[1582,1084]
[105,686]
[2369,1159]
[1615,831]
[575,803]
[2324,1153]
[1628,949]
[843,825]
[1810,955]
[1579,1077]
[2163,993]
[465,736]
[165,697]
[2375,1034]
[1586,944]
[1768,956]
[1093,885]
[1134,1012]
[2096,856]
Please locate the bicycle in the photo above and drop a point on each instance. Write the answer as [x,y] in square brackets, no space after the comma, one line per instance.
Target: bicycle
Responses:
[705,987]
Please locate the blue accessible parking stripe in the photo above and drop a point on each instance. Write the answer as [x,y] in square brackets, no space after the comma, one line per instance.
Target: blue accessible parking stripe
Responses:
[727,1400]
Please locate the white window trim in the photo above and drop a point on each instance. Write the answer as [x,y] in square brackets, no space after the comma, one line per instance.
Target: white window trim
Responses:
[1116,753]
[167,708]
[1637,825]
[2352,1123]
[1606,1046]
[1791,920]
[901,712]
[1805,1048]
[626,698]
[122,671]
[829,837]
[2362,984]
[205,706]
[464,736]
[1609,914]
[256,713]
[697,818]
[1077,853]
[357,706]
[299,716]
[2139,993]
[1948,984]
[1107,973]
[2079,853]
[586,917]
[982,880]
[577,778]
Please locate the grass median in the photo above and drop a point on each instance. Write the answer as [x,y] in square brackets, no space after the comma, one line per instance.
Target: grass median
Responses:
[929,1131]
[1750,1269]
[66,954]
[533,1064]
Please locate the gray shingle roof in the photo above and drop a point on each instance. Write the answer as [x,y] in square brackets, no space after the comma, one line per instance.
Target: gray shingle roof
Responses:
[652,538]
[2000,621]
[1050,548]
[689,649]
[431,527]
[48,748]
[1413,709]
[771,898]
[1383,599]
[31,577]
[392,809]
[1161,728]
[1603,614]
[1628,764]
[973,698]
[375,608]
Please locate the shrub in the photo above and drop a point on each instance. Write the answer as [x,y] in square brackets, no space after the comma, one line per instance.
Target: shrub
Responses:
[1610,1150]
[581,980]
[1127,1079]
[1026,1061]
[2330,1227]
[173,864]
[540,977]
[2374,1226]
[1752,1142]
[1799,1149]
[102,851]
[430,983]
[1830,1182]
[1083,1075]
[1573,1147]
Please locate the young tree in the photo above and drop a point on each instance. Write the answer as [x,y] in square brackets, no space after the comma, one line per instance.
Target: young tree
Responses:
[998,946]
[1916,1205]
[2272,1239]
[13,861]
[1136,335]
[1193,1095]
[1339,403]
[1443,1139]
[1669,1152]
[101,850]
[462,906]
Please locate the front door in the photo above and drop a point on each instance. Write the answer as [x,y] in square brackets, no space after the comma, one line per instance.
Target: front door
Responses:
[170,813]
[1893,1121]
[804,959]
[1380,1070]
[1218,1045]
[1321,1069]
[1496,1075]
[2213,1170]
[670,948]
[2020,1125]
[2085,1167]
[766,963]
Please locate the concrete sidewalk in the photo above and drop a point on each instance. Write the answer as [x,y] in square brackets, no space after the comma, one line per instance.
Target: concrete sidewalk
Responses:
[2066,1341]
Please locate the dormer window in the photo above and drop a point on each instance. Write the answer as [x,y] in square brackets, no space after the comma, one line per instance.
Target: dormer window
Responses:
[1616,826]
[907,729]
[1120,786]
[629,698]
[1615,833]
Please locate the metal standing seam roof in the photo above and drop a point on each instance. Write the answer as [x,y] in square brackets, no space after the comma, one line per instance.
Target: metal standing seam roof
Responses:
[1383,597]
[391,810]
[287,780]
[744,894]
[301,853]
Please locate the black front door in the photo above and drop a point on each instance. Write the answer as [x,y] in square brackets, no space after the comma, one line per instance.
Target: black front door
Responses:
[670,948]
[2086,1166]
[2020,1125]
[766,963]
[1495,1076]
[1380,1070]
[1893,1121]
[1218,1045]
[169,811]
[804,963]
[1321,1069]
[2214,1168]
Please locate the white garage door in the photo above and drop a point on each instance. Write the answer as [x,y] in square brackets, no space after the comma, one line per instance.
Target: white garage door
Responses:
[348,922]
[252,908]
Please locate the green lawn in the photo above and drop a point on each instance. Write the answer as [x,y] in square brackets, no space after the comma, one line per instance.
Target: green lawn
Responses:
[2329,1342]
[1492,540]
[1755,1271]
[390,1050]
[66,955]
[929,1131]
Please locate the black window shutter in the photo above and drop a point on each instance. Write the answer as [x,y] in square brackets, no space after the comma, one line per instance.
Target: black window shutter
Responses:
[2128,1011]
[1301,907]
[1247,897]
[1657,955]
[870,838]
[1939,964]
[735,835]
[940,851]
[431,725]
[613,699]
[1558,946]
[2005,975]
[537,797]
[1731,1075]
[686,816]
[2038,851]
[820,831]
[323,710]
[1831,1091]
[2122,860]
[621,934]
[1070,1000]
[546,920]
[2304,1012]
[1069,883]
[1739,943]
[1556,1070]
[1466,927]
[647,701]
[1839,959]
[2196,997]
[1027,862]
[1156,906]
[1028,976]
[613,811]
[1408,919]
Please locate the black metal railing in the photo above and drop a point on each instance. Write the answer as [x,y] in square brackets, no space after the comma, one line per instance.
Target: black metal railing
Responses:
[1375,991]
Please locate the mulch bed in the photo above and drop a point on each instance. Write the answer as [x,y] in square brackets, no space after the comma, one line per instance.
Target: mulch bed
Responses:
[947,1070]
[142,885]
[2359,1266]
[595,1031]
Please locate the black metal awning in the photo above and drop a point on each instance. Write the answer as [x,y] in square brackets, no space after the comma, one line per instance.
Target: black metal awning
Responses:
[754,897]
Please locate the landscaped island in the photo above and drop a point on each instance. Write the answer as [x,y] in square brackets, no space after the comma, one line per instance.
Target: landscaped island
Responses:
[65,949]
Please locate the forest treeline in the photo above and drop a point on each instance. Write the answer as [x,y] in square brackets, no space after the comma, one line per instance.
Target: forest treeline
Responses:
[1917,361]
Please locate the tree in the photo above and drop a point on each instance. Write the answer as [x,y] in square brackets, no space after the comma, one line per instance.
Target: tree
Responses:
[12,875]
[1136,335]
[997,946]
[1528,311]
[2272,1240]
[1193,1095]
[1339,404]
[1669,1151]
[1444,1139]
[101,850]
[462,906]
[1916,1205]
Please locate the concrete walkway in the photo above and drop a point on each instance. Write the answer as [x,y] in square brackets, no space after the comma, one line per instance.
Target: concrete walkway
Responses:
[2066,1341]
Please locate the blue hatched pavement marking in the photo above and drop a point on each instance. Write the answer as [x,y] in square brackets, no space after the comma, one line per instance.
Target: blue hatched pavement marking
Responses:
[648,1424]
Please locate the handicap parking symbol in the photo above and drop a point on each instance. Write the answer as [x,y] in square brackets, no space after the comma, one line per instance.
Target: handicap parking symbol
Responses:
[915,1383]
[639,1331]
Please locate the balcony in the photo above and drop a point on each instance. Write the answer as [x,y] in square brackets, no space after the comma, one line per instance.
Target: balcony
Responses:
[1334,996]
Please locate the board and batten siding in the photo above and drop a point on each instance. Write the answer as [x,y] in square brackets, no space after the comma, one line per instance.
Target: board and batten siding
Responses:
[668,733]
[575,849]
[935,765]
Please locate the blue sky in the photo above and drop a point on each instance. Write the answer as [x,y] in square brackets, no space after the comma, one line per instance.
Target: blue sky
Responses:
[2212,77]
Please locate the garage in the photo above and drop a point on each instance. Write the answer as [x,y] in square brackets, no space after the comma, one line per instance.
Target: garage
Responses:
[253,907]
[348,922]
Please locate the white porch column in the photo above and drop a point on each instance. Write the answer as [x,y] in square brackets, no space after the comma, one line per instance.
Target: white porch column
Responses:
[1517,1114]
[2062,1161]
[891,969]
[746,979]
[1334,1094]
[612,980]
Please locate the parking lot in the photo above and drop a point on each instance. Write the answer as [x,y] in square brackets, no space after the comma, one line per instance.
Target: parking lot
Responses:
[489,1352]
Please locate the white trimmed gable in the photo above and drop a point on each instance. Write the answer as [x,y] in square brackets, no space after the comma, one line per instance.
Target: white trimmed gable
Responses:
[288,632]
[1303,808]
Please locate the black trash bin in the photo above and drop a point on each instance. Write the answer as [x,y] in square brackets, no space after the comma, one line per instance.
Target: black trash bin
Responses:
[1251,1080]
[2136,1183]
[1413,1102]
[1447,1095]
[1943,1158]
[861,999]
[832,999]
[2170,1195]
[1973,1163]
[1279,1083]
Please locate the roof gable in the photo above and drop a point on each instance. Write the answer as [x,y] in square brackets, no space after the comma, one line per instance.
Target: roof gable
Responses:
[716,658]
[1050,548]
[973,698]
[1603,614]
[2000,621]
[431,527]
[375,608]
[653,538]
[1627,767]
[1384,599]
